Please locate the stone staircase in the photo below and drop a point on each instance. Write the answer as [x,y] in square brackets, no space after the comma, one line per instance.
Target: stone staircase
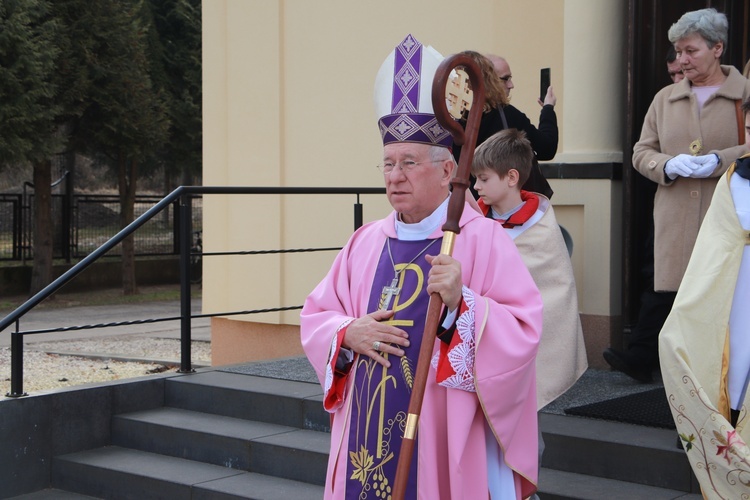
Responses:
[222,435]
[594,459]
[219,435]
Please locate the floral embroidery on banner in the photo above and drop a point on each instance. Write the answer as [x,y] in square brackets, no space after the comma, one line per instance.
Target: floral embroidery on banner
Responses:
[462,356]
[727,445]
[700,442]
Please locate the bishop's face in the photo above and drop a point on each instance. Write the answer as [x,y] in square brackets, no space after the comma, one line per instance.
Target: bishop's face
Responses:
[418,183]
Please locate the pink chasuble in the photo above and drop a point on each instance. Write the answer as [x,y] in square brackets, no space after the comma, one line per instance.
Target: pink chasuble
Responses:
[494,383]
[380,395]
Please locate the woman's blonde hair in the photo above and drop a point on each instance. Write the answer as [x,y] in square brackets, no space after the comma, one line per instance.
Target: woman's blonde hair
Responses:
[494,90]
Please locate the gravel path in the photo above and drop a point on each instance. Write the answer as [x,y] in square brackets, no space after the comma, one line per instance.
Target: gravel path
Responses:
[52,365]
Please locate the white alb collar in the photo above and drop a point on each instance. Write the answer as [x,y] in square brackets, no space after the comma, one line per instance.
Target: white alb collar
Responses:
[423,229]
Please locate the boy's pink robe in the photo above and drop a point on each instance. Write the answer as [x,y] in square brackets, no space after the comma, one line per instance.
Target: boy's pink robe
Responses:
[506,316]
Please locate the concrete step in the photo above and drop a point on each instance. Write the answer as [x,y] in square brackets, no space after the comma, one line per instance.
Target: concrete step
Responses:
[613,450]
[120,473]
[597,448]
[559,485]
[283,402]
[52,494]
[262,447]
[228,435]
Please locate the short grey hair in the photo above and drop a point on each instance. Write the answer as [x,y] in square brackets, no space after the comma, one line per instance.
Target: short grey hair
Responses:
[712,25]
[439,153]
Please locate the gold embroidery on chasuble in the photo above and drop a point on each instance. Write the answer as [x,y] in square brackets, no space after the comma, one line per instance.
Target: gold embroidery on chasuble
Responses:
[380,395]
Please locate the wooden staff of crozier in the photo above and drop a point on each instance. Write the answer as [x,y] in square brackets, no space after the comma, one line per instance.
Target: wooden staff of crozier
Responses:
[460,184]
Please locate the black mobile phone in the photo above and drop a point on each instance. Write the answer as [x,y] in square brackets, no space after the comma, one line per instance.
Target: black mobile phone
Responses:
[544,80]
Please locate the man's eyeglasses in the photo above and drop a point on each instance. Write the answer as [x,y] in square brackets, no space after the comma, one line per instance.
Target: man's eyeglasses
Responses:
[405,166]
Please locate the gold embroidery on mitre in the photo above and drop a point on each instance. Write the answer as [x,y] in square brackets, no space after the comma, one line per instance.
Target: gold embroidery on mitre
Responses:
[695,147]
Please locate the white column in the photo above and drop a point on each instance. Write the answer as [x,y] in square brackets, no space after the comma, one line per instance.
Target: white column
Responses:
[594,81]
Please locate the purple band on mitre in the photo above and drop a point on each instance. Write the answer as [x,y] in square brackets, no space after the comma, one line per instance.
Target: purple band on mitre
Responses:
[414,127]
[407,66]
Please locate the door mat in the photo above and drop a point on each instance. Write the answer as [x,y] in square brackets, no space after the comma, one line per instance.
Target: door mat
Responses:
[649,408]
[297,369]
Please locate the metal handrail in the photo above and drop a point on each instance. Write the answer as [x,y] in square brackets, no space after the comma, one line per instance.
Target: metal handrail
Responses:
[183,194]
[149,321]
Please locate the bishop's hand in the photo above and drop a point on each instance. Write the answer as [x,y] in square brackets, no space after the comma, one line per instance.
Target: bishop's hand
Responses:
[364,334]
[445,279]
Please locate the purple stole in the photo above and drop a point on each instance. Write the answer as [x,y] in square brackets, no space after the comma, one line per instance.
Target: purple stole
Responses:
[380,396]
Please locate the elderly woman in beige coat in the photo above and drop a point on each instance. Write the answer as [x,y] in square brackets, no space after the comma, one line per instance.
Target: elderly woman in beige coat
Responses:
[692,132]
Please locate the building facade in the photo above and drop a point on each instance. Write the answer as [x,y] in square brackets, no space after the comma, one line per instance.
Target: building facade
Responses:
[288,88]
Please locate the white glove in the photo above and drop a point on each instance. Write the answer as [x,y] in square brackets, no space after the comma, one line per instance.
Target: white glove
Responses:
[679,166]
[704,165]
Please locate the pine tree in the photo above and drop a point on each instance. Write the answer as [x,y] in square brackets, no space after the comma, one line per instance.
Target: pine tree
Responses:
[27,81]
[114,79]
[178,50]
[125,114]
[29,111]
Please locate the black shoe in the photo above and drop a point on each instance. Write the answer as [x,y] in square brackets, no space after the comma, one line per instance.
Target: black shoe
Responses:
[618,362]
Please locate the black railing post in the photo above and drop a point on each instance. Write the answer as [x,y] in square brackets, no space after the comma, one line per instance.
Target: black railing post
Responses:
[25,224]
[186,236]
[16,364]
[17,228]
[176,226]
[67,219]
[358,220]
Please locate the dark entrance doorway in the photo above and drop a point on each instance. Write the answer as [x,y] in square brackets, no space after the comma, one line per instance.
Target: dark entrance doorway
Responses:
[646,49]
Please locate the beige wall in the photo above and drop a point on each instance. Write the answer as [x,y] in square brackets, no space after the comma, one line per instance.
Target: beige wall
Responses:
[288,102]
[594,80]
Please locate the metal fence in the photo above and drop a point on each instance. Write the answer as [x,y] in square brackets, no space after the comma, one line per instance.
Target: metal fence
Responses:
[183,200]
[83,222]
